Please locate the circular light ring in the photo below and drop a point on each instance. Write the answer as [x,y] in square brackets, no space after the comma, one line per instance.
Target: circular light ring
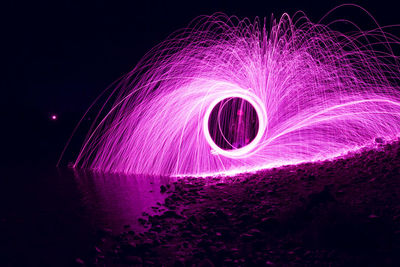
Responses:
[262,125]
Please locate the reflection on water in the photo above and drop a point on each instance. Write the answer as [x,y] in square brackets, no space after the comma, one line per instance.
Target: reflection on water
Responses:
[49,216]
[114,200]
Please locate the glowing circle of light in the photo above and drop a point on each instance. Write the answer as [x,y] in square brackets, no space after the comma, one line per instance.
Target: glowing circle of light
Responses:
[262,128]
[318,93]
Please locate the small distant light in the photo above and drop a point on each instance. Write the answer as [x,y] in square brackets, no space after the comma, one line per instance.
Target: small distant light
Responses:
[53,117]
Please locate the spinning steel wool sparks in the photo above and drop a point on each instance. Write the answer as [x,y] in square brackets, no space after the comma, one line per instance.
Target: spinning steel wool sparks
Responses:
[227,95]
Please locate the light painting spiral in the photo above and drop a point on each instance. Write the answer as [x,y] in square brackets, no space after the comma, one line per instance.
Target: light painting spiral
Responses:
[303,92]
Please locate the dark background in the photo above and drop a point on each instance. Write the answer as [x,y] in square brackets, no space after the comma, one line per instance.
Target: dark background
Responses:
[60,55]
[57,57]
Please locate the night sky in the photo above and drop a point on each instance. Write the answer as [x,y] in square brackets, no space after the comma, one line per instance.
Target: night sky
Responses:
[59,55]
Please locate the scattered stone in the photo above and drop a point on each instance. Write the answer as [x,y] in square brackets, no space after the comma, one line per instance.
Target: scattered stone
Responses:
[79,261]
[163,189]
[303,215]
[133,259]
[171,214]
[373,216]
[206,263]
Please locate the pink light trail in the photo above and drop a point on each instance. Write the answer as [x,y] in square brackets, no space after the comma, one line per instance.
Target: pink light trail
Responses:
[317,92]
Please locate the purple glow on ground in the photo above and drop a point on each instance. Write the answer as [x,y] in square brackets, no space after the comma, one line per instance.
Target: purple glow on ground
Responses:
[54,117]
[317,92]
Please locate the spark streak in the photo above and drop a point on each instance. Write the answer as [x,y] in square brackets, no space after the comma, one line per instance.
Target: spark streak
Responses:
[317,93]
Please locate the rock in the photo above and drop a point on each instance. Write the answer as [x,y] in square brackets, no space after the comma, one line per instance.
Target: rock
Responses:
[179,263]
[133,259]
[142,221]
[132,244]
[254,231]
[373,216]
[79,261]
[163,189]
[171,214]
[206,263]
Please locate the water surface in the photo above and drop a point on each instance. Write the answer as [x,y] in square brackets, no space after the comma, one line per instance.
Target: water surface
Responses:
[51,216]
